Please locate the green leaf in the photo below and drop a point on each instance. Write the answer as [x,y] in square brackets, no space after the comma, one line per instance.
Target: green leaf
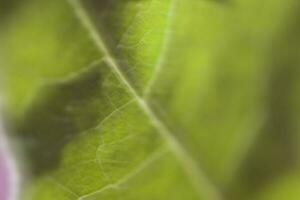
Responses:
[152,99]
[283,187]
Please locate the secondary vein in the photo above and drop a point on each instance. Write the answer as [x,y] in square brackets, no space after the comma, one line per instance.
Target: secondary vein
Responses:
[203,185]
[142,166]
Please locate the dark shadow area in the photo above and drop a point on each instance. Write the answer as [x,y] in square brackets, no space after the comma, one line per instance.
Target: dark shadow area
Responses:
[7,7]
[275,151]
[61,111]
[107,17]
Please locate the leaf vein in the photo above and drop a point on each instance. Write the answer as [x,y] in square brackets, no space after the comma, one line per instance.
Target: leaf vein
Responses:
[201,182]
[147,161]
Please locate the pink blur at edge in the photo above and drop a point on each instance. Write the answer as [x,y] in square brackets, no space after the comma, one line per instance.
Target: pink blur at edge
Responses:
[4,178]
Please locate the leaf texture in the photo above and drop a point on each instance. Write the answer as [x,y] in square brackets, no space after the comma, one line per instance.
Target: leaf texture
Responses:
[154,99]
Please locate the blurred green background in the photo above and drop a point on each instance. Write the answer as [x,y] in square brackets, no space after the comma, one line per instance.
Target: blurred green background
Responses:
[153,99]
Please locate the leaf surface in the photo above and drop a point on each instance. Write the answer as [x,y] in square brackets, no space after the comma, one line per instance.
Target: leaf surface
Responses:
[149,99]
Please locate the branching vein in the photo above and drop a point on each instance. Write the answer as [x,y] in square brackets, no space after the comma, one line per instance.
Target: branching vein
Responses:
[202,184]
[64,188]
[148,161]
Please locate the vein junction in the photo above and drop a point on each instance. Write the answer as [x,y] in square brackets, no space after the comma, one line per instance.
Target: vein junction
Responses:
[201,182]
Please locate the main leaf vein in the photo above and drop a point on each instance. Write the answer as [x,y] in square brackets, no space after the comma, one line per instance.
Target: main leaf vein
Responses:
[202,184]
